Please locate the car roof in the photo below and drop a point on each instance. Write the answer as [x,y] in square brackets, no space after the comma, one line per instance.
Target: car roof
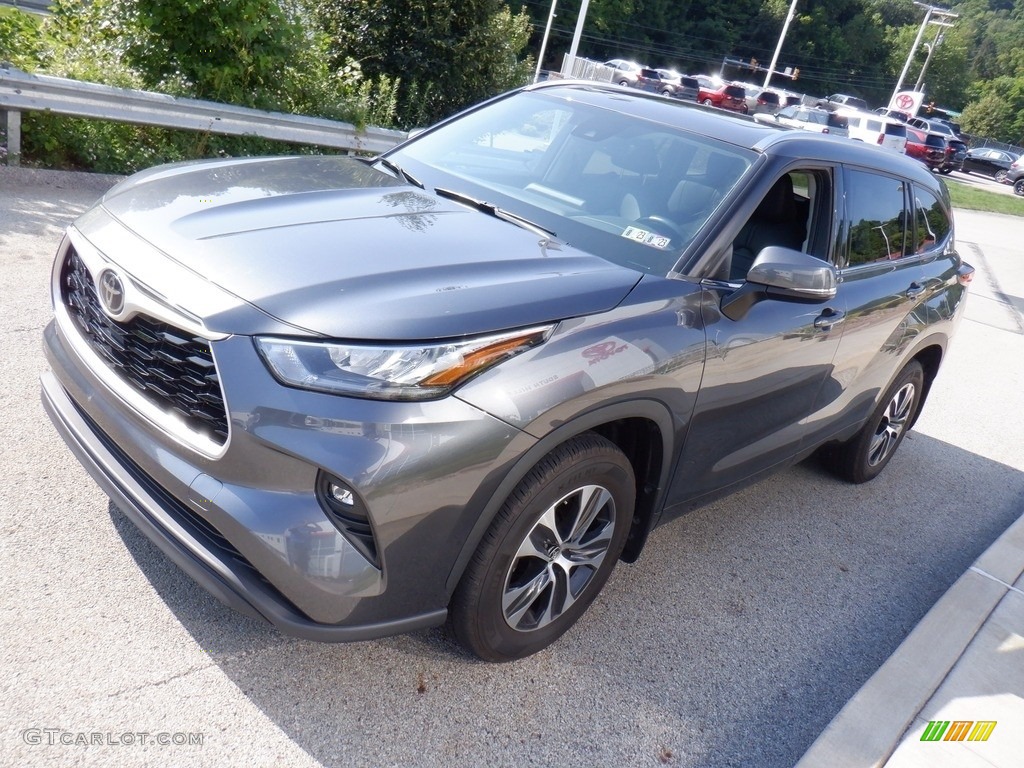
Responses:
[739,130]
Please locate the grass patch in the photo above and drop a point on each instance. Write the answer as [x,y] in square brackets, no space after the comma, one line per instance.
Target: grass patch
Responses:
[974,199]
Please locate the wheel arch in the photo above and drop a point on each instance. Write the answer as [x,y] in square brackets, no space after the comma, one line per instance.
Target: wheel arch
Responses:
[643,429]
[930,358]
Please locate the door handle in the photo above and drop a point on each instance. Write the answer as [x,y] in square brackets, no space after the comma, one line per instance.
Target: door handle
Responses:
[829,318]
[915,290]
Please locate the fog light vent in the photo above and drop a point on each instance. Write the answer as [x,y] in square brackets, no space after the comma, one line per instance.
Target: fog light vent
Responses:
[348,513]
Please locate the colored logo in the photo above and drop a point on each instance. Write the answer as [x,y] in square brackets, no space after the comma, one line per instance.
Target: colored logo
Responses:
[905,101]
[958,730]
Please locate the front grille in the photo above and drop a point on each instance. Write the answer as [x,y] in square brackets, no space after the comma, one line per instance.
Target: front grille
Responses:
[172,368]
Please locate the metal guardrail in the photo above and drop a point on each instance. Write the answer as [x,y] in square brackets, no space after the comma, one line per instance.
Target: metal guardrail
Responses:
[31,6]
[21,92]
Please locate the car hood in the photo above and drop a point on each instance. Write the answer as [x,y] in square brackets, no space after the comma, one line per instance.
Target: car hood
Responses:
[340,249]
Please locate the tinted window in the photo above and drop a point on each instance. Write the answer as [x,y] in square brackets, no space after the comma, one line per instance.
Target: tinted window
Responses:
[769,98]
[735,91]
[836,121]
[931,224]
[878,221]
[689,82]
[896,129]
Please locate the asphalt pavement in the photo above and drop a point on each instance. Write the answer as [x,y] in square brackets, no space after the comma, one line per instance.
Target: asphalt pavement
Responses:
[744,629]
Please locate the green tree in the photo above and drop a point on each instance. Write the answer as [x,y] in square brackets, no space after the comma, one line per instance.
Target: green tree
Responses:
[236,51]
[446,55]
[998,112]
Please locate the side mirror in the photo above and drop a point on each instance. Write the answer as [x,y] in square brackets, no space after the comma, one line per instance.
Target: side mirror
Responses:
[782,273]
[793,274]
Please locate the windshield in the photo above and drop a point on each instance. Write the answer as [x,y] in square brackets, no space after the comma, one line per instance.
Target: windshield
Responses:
[630,190]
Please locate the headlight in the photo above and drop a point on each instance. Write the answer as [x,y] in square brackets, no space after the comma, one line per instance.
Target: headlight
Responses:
[391,372]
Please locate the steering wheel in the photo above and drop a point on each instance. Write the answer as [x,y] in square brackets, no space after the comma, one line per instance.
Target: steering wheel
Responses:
[662,225]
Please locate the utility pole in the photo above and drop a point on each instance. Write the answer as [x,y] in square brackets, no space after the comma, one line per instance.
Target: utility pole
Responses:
[931,51]
[778,48]
[929,12]
[577,34]
[544,42]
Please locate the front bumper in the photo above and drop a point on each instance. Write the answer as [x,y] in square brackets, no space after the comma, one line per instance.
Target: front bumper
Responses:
[247,526]
[190,544]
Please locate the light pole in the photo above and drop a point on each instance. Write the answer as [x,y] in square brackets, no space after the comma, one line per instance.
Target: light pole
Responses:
[576,35]
[931,10]
[544,42]
[931,50]
[778,48]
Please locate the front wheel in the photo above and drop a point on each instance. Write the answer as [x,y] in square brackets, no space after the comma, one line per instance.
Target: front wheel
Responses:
[1018,187]
[1000,176]
[945,171]
[708,102]
[866,454]
[548,552]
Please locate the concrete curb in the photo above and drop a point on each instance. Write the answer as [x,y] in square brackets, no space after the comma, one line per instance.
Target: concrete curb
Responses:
[871,726]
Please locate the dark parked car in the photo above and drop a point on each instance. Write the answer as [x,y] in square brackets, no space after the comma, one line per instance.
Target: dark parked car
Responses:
[726,96]
[929,148]
[956,148]
[357,397]
[988,162]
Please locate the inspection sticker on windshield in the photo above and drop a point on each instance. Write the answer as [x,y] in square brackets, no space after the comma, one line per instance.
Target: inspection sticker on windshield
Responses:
[647,238]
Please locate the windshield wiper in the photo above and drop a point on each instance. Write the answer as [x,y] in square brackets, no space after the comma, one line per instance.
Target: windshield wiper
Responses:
[496,212]
[398,170]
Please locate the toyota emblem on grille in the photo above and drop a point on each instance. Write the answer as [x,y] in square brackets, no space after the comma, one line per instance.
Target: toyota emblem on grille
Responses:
[111,291]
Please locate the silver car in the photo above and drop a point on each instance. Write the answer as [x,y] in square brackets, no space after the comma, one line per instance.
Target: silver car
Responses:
[461,381]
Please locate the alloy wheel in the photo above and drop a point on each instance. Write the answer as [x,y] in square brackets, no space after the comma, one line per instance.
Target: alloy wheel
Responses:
[558,558]
[891,426]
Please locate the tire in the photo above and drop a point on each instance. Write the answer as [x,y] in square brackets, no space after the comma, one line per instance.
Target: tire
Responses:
[1000,176]
[624,82]
[708,103]
[945,171]
[866,454]
[1018,187]
[540,564]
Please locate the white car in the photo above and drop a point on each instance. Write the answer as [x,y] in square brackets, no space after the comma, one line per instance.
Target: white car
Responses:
[806,118]
[877,129]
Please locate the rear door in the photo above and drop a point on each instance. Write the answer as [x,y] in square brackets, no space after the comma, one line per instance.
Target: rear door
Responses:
[888,271]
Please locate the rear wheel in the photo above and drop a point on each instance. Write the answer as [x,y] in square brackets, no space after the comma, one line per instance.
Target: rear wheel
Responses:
[549,551]
[1000,175]
[867,453]
[708,102]
[1018,187]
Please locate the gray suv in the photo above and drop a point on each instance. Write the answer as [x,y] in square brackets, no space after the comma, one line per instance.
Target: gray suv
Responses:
[462,380]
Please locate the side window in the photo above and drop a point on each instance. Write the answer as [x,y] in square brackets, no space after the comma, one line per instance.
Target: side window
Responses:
[875,207]
[795,213]
[931,224]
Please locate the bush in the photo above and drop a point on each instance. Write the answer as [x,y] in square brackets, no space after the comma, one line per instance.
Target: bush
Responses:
[273,63]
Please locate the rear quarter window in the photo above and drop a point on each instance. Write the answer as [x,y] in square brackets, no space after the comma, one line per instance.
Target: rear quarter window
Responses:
[931,222]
